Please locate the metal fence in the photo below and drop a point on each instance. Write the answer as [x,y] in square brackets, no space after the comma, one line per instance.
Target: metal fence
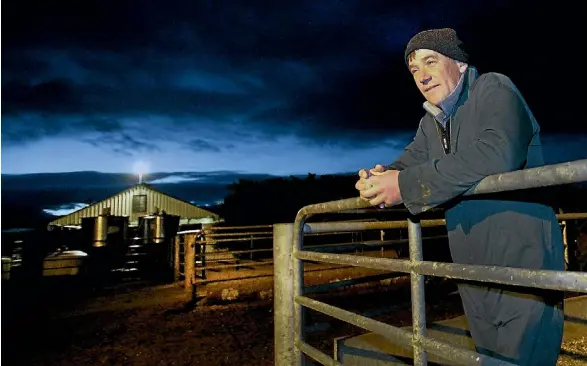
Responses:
[220,254]
[200,253]
[289,290]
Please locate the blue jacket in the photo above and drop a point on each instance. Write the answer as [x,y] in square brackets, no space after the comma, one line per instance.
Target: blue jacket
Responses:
[492,131]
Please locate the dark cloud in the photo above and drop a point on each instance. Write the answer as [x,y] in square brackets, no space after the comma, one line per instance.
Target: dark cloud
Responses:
[329,72]
[122,143]
[47,96]
[199,145]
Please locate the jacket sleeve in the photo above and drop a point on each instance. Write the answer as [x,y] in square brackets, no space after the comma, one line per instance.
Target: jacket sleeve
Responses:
[415,153]
[504,132]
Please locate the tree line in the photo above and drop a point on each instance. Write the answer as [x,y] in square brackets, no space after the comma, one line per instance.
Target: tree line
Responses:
[277,200]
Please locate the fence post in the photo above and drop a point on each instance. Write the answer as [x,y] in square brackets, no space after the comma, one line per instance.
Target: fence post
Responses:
[283,303]
[203,259]
[176,262]
[417,287]
[189,263]
[252,246]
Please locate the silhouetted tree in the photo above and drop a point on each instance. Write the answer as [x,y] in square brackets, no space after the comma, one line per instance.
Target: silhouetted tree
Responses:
[279,199]
[258,202]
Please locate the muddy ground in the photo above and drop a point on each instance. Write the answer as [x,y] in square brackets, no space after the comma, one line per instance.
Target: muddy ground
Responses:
[156,325]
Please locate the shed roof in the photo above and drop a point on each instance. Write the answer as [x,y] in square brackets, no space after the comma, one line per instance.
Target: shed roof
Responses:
[136,201]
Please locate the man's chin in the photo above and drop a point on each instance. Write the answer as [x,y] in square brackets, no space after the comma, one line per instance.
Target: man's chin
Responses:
[435,101]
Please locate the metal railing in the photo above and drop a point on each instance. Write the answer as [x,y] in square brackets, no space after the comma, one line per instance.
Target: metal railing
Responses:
[196,263]
[290,346]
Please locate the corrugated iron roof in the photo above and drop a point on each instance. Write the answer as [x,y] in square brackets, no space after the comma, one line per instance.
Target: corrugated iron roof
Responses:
[121,204]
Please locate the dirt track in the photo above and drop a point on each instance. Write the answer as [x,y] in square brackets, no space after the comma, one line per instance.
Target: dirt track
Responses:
[153,326]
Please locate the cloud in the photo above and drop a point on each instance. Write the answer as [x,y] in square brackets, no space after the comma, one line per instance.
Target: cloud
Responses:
[215,78]
[275,71]
[64,209]
[122,143]
[47,95]
[202,145]
[176,178]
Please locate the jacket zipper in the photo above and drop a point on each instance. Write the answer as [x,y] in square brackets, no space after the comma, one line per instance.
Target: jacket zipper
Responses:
[444,134]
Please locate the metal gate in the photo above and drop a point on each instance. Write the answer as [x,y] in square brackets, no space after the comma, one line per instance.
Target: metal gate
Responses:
[290,301]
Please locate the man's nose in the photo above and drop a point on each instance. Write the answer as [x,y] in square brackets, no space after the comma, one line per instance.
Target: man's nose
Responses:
[425,79]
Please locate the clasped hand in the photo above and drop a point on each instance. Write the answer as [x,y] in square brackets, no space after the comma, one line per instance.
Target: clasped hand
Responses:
[380,186]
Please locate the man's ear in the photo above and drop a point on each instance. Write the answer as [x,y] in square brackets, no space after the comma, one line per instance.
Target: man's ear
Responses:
[462,66]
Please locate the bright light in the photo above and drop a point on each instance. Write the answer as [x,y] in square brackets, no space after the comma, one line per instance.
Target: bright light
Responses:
[141,168]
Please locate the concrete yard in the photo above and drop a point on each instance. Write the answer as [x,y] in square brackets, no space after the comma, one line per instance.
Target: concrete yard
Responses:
[371,349]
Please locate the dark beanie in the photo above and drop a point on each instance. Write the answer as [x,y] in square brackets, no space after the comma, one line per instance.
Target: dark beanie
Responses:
[444,41]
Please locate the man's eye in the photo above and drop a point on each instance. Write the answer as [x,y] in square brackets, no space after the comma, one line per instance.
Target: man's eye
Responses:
[430,62]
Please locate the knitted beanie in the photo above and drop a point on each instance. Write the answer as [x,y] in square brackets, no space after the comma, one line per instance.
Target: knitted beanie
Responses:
[444,41]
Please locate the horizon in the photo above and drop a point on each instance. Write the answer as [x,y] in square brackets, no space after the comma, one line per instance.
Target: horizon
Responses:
[158,173]
[56,194]
[557,148]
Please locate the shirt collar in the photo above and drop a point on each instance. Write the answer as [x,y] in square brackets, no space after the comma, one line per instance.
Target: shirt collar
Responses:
[449,103]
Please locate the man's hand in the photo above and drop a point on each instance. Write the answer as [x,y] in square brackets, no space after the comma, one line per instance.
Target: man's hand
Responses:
[362,184]
[381,187]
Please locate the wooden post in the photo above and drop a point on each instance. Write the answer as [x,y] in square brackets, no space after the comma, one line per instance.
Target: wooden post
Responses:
[203,259]
[176,262]
[189,266]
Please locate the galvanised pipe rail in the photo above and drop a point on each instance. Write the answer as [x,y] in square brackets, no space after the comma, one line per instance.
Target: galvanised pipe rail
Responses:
[286,338]
[251,233]
[217,228]
[394,334]
[544,279]
[342,226]
[546,176]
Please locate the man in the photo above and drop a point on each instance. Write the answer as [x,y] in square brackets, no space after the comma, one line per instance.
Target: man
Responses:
[476,126]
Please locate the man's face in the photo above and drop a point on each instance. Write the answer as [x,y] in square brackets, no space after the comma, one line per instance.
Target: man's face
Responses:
[435,74]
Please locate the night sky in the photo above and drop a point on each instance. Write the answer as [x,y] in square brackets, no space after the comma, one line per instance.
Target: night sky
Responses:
[258,86]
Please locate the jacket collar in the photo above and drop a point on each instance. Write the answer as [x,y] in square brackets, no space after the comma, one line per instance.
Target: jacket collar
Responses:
[450,104]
